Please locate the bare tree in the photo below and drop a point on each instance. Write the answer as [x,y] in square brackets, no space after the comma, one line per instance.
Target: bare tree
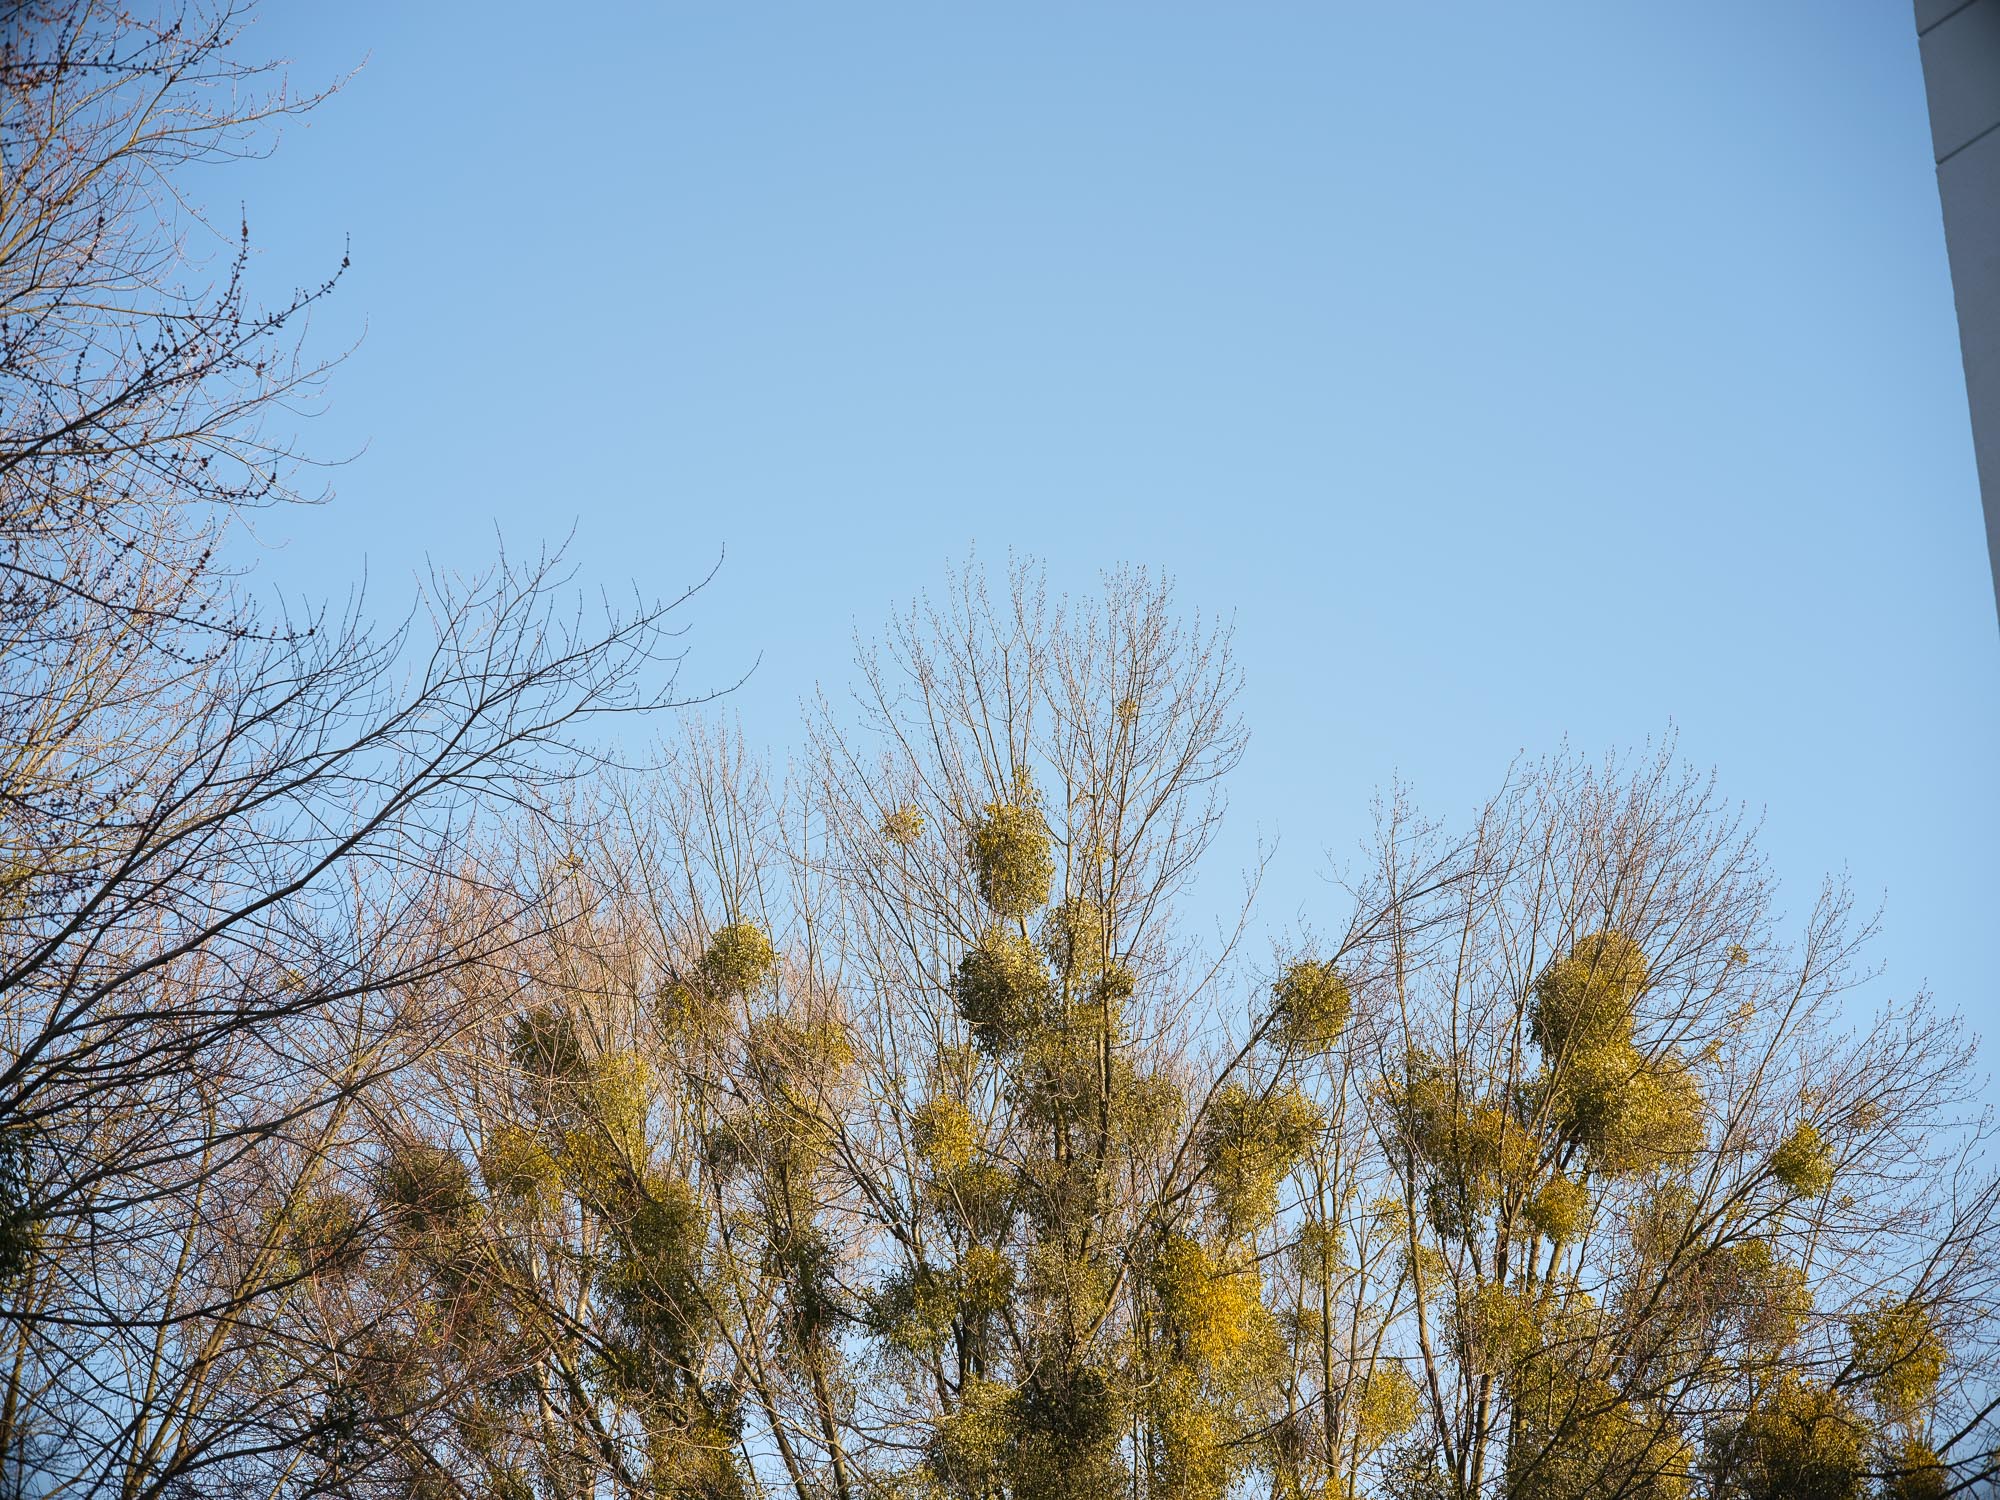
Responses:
[231,839]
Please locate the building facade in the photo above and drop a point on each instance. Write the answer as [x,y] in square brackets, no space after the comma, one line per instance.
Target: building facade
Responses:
[1960,43]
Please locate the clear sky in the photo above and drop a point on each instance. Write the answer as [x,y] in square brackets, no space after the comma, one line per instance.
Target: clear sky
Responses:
[1507,372]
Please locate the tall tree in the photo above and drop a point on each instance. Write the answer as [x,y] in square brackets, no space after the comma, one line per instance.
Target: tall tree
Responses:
[1666,1216]
[1557,1171]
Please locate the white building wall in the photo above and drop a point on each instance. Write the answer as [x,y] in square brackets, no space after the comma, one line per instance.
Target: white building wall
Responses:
[1960,42]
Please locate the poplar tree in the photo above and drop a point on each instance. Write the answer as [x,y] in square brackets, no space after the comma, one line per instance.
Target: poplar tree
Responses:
[1560,1169]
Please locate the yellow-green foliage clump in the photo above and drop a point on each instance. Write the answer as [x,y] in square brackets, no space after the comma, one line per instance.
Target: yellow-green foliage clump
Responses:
[1469,1151]
[1630,1113]
[1011,856]
[1191,1455]
[1057,1278]
[20,1225]
[1318,1251]
[658,1231]
[1386,1406]
[1916,1473]
[944,1134]
[904,825]
[739,959]
[1900,1353]
[1559,1209]
[985,1280]
[1587,1000]
[1054,1438]
[1312,1005]
[1658,1120]
[1212,1308]
[1391,1224]
[544,1043]
[919,1311]
[319,1236]
[620,1097]
[1147,1108]
[1577,1438]
[1803,1164]
[1444,1125]
[1589,1090]
[603,1118]
[1498,1328]
[1250,1144]
[1000,988]
[914,1311]
[971,1443]
[1468,1167]
[1067,1420]
[1073,938]
[684,1010]
[693,1453]
[1770,1295]
[1424,1099]
[424,1187]
[1115,985]
[800,1052]
[979,1196]
[515,1164]
[1802,1441]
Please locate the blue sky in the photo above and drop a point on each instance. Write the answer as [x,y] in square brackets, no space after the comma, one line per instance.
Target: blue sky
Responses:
[1507,372]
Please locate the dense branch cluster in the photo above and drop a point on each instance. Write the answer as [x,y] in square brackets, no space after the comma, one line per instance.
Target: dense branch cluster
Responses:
[881,1131]
[236,887]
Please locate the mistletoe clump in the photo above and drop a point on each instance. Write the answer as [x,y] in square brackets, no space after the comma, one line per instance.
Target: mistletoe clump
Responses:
[914,1311]
[545,1044]
[1917,1473]
[320,1236]
[1312,1005]
[1658,1119]
[20,1225]
[515,1164]
[1499,1328]
[739,959]
[1188,1447]
[1073,938]
[903,825]
[1010,854]
[1067,1422]
[1469,1150]
[1900,1353]
[651,1275]
[1386,1406]
[1000,988]
[1250,1144]
[621,1096]
[425,1188]
[1768,1293]
[1211,1307]
[1559,1209]
[1577,1437]
[944,1134]
[1803,1164]
[1802,1440]
[970,1443]
[1631,1113]
[1587,1000]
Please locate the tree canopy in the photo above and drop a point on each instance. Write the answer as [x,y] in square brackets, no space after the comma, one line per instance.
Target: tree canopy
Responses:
[403,1095]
